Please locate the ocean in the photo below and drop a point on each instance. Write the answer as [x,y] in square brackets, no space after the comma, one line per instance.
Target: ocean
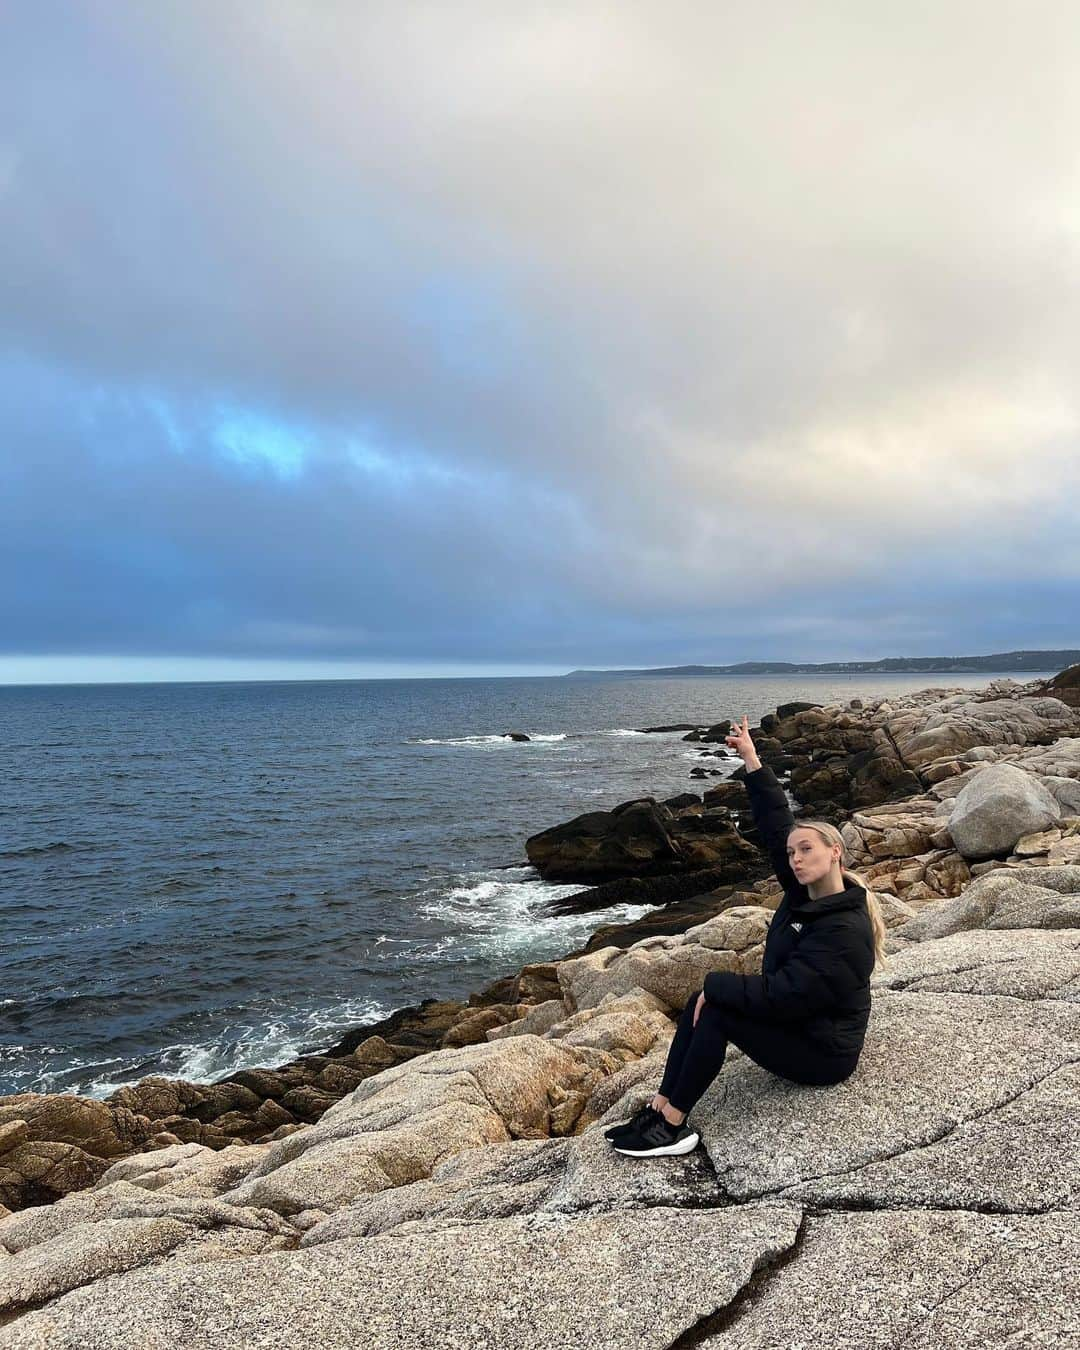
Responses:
[197,878]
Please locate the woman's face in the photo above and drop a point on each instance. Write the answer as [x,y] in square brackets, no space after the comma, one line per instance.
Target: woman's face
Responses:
[811,858]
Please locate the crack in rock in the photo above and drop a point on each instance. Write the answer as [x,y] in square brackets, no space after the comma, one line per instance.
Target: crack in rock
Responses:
[912,1332]
[903,985]
[972,1014]
[768,1265]
[900,758]
[788,1191]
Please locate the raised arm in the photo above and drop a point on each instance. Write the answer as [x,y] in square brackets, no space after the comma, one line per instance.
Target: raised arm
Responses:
[774,822]
[772,815]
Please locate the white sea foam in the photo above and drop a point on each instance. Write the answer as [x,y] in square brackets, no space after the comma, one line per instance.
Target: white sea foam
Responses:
[260,1042]
[501,739]
[622,731]
[501,915]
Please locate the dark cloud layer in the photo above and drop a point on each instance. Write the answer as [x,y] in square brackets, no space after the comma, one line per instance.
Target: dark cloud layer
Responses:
[479,333]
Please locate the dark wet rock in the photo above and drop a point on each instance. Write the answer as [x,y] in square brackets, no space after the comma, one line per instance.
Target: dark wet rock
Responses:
[683,802]
[731,794]
[634,839]
[659,891]
[1064,686]
[262,1082]
[537,983]
[516,736]
[217,1099]
[719,731]
[785,710]
[641,838]
[473,1028]
[675,726]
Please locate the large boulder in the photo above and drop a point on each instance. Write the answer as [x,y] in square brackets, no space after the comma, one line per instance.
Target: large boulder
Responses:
[958,723]
[640,839]
[397,1127]
[40,1170]
[92,1126]
[633,840]
[1065,686]
[669,968]
[1014,897]
[997,808]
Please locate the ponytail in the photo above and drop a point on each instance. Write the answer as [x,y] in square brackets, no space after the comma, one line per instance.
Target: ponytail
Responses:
[873,908]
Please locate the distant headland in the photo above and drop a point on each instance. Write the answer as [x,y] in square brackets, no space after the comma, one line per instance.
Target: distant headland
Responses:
[998,663]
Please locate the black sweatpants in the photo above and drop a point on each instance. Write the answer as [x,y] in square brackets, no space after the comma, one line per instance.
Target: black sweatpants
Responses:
[697,1053]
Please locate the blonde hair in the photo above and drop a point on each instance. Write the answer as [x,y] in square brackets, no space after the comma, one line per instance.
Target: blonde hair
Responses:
[832,835]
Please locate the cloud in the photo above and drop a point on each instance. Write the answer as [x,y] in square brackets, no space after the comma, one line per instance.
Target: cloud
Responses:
[620,334]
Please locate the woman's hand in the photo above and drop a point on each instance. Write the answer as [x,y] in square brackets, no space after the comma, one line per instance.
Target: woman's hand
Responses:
[698,1006]
[739,740]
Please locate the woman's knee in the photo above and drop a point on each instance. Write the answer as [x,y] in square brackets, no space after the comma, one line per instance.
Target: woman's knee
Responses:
[709,1014]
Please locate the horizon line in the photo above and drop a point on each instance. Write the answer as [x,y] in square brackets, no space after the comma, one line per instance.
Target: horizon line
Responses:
[73,680]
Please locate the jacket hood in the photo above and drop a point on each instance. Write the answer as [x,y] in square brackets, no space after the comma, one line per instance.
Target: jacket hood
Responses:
[853,897]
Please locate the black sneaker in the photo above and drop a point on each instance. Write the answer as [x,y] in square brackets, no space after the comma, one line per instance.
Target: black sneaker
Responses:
[640,1118]
[657,1139]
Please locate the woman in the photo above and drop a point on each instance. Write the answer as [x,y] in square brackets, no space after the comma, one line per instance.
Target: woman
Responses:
[804,1017]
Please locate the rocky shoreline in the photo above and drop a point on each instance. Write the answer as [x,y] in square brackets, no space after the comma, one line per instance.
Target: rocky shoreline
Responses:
[465,1129]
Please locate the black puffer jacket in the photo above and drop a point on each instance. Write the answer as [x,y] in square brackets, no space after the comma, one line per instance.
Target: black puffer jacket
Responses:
[819,954]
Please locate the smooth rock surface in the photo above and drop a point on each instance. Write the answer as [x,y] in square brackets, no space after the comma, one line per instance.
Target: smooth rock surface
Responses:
[919,1279]
[1026,963]
[397,1127]
[921,1074]
[85,1253]
[601,1282]
[1014,897]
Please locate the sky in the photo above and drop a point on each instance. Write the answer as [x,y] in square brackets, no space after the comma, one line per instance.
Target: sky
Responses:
[464,338]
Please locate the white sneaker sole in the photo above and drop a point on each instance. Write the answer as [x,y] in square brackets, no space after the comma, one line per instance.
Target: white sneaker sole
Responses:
[686,1145]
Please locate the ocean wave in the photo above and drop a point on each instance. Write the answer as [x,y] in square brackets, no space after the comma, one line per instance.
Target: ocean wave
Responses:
[502,738]
[503,916]
[282,1035]
[622,731]
[60,846]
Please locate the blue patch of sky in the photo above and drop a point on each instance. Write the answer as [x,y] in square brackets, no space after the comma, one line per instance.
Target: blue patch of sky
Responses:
[163,415]
[473,333]
[247,437]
